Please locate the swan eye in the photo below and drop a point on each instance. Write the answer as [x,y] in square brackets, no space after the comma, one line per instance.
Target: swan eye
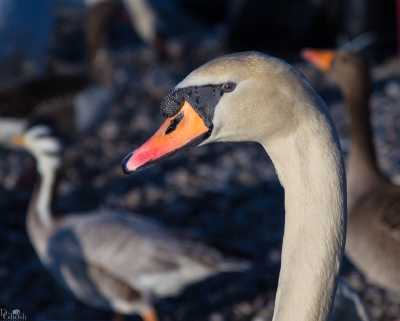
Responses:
[228,87]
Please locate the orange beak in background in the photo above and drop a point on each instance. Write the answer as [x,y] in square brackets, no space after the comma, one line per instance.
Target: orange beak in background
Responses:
[322,59]
[18,141]
[174,133]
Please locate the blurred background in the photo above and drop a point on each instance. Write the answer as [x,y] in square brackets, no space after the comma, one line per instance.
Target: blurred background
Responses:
[112,61]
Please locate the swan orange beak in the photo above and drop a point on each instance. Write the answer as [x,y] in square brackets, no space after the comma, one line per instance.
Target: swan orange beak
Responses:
[322,59]
[175,132]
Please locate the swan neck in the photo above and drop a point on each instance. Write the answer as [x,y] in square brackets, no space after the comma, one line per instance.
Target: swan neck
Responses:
[310,168]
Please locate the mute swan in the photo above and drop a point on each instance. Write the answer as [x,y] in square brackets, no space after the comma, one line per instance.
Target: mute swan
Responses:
[109,259]
[373,239]
[253,97]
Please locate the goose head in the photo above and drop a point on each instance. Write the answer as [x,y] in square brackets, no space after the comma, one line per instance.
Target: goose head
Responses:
[239,97]
[348,69]
[40,140]
[9,128]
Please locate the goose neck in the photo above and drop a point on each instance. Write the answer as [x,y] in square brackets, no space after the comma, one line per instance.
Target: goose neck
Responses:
[362,164]
[42,200]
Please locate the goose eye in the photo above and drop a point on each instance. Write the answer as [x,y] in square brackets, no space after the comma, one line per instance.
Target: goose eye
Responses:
[228,87]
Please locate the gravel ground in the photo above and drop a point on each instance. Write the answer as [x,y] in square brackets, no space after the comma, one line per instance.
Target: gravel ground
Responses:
[227,194]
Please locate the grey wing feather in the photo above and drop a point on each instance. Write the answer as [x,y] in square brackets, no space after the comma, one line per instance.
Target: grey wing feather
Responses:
[137,250]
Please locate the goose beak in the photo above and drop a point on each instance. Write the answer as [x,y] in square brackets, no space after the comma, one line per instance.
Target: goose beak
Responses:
[322,59]
[18,141]
[186,127]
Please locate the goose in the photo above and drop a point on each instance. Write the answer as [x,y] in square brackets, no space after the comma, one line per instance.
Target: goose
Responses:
[67,100]
[250,96]
[61,96]
[109,259]
[373,239]
[34,98]
[145,20]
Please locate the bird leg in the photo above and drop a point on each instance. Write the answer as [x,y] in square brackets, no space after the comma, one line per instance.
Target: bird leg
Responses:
[149,315]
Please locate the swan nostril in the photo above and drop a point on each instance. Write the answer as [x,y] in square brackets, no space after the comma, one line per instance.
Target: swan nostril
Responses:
[174,123]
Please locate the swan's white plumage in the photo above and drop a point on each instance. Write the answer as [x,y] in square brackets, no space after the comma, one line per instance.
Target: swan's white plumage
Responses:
[274,106]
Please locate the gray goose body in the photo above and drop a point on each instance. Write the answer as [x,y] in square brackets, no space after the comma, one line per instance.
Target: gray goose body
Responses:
[109,259]
[373,239]
[118,260]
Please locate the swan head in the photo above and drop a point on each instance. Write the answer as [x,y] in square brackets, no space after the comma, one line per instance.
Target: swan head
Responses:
[240,97]
[348,69]
[40,140]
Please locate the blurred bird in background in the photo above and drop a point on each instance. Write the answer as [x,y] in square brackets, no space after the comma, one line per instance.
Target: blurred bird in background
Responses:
[373,241]
[109,259]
